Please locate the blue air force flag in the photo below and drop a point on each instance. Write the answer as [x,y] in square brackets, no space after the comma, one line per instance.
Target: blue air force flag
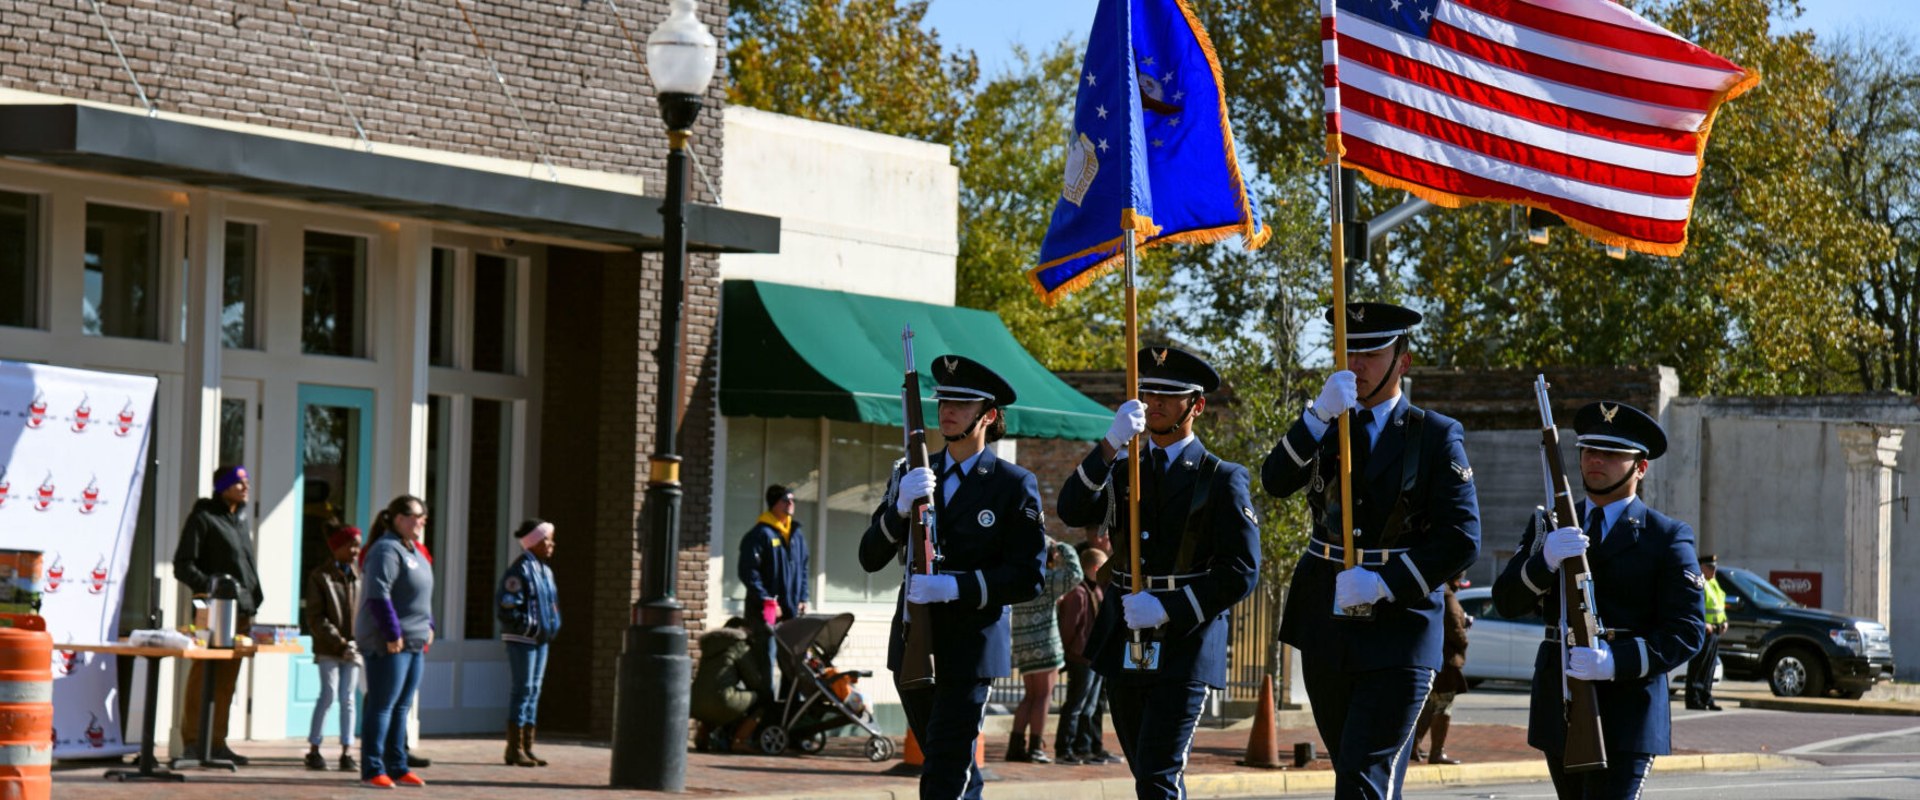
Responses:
[1150,149]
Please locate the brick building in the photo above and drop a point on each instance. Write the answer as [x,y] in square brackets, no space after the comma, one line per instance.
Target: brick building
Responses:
[364,267]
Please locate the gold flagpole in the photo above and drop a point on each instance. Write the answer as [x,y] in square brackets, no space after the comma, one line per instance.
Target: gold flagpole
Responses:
[1128,224]
[1340,346]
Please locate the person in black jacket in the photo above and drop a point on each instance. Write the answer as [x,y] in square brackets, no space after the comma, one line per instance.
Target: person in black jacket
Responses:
[991,539]
[215,542]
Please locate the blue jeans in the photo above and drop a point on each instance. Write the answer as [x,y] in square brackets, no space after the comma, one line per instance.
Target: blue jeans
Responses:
[528,665]
[392,681]
[339,679]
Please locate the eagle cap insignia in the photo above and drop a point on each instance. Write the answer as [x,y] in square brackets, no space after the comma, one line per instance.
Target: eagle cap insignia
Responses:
[1465,472]
[1606,414]
[950,364]
[1358,313]
[1159,356]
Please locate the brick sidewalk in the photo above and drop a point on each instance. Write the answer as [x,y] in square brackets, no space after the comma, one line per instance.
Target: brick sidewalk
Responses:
[472,768]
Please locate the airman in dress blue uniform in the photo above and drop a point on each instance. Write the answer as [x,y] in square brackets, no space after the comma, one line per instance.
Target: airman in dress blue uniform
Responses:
[990,537]
[1199,552]
[1647,595]
[1417,526]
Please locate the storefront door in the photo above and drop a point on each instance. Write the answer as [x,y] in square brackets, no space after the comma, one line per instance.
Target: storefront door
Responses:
[334,471]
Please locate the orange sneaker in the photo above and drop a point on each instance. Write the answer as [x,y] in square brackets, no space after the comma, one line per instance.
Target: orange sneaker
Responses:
[378,782]
[410,779]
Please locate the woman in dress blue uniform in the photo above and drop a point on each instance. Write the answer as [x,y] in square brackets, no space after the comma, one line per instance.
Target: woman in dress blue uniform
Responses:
[1647,595]
[1417,526]
[991,541]
[1199,550]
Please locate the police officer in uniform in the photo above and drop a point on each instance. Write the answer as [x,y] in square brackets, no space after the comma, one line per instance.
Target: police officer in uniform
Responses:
[1418,526]
[990,537]
[1199,552]
[1699,693]
[1647,595]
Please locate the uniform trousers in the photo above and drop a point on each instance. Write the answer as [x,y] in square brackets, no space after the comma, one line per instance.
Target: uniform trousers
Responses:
[1155,722]
[1700,673]
[1623,779]
[946,721]
[1366,719]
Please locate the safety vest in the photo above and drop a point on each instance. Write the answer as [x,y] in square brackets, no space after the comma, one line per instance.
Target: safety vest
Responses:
[1716,600]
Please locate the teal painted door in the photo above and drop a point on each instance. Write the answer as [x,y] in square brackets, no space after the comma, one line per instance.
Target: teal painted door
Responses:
[335,470]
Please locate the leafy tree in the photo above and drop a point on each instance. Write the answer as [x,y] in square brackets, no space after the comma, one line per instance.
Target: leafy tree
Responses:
[867,64]
[1874,121]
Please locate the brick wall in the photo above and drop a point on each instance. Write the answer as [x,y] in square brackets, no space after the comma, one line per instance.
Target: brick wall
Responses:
[413,75]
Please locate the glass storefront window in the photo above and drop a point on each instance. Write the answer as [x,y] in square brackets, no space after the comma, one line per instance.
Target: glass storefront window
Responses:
[440,330]
[331,479]
[123,273]
[439,437]
[488,496]
[762,452]
[333,297]
[859,457]
[19,260]
[495,305]
[238,309]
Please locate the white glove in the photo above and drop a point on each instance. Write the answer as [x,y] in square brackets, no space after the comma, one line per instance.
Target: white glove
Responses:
[1143,610]
[1358,587]
[1128,422]
[917,483]
[1562,544]
[1591,663]
[925,589]
[1340,393]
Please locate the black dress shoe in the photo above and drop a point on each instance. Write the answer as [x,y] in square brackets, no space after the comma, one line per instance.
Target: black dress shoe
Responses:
[417,760]
[1715,707]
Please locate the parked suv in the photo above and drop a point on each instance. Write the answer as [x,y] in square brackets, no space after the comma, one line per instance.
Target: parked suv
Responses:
[1798,651]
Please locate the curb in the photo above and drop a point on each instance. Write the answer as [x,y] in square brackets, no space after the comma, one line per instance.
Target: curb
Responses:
[1277,782]
[1832,707]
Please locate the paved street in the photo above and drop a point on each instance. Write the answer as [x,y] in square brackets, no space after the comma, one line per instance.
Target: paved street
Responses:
[1889,780]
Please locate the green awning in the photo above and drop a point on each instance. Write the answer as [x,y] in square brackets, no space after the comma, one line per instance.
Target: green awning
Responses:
[789,351]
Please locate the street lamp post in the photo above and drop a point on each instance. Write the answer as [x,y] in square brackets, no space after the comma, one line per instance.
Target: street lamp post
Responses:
[650,702]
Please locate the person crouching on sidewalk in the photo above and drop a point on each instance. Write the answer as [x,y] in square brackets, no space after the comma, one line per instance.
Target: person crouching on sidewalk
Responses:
[529,619]
[328,601]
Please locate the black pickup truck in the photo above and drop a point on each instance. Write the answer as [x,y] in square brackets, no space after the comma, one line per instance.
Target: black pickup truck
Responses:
[1798,651]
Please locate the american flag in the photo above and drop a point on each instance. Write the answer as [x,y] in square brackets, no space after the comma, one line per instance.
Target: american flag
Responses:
[1578,107]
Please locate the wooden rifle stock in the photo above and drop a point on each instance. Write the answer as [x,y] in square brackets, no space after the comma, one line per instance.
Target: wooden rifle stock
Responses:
[916,663]
[1586,748]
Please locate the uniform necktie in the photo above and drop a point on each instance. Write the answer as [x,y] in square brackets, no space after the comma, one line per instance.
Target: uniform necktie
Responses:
[959,476]
[1596,524]
[1360,437]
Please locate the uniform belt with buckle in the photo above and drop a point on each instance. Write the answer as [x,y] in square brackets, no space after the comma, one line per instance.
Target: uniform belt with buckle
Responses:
[1158,583]
[1553,633]
[1334,552]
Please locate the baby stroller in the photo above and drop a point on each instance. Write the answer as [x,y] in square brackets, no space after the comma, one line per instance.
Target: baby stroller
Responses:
[813,697]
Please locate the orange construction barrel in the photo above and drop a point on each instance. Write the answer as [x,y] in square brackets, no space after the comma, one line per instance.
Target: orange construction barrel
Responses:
[26,708]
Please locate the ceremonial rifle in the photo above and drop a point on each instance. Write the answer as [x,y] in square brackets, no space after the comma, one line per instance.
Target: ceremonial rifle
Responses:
[1579,627]
[916,664]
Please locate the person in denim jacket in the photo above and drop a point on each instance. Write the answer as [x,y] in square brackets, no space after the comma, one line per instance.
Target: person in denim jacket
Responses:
[529,619]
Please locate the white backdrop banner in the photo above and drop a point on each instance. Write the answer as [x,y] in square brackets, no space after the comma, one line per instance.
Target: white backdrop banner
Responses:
[73,447]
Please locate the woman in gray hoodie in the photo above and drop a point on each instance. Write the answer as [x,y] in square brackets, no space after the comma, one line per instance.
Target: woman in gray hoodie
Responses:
[393,628]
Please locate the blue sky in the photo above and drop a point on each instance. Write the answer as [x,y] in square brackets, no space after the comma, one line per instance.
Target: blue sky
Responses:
[993,27]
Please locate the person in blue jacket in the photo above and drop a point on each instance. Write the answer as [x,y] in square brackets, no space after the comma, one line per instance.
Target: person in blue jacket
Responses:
[1647,591]
[773,564]
[529,620]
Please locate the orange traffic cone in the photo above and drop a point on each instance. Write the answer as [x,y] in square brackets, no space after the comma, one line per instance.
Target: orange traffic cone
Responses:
[1263,744]
[912,752]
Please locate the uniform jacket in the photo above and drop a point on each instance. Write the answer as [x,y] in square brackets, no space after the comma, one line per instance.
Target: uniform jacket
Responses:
[529,602]
[327,602]
[1647,588]
[1193,642]
[992,539]
[774,568]
[1440,532]
[215,542]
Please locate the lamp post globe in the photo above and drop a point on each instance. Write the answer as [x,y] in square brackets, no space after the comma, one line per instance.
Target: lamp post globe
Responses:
[651,705]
